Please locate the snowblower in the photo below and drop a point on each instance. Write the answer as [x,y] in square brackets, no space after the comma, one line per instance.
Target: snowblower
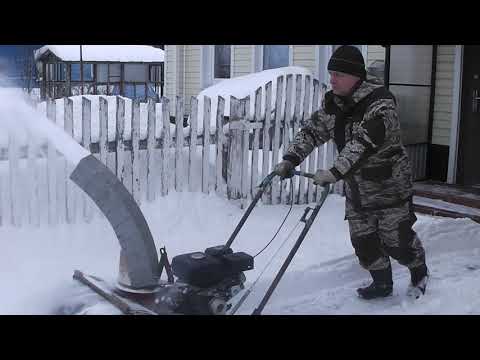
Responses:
[205,281]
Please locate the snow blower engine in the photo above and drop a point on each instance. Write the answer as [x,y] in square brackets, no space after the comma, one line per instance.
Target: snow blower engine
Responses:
[206,281]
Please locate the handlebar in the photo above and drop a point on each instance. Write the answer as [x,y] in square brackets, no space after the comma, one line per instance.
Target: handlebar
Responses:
[305,174]
[268,179]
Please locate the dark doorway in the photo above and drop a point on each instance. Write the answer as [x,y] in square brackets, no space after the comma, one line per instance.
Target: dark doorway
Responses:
[469,140]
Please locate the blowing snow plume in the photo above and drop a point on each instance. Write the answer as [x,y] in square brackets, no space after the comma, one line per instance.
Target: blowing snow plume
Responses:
[138,257]
[20,120]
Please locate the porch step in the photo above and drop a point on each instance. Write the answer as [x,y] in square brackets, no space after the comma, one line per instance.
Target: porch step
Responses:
[436,207]
[456,194]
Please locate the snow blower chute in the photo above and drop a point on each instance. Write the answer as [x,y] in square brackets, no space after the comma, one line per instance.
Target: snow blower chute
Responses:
[205,281]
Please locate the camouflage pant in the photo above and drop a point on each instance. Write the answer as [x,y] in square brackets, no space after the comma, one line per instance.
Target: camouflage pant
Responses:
[380,234]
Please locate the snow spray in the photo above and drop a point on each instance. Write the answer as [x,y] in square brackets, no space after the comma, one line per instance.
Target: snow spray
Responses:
[19,119]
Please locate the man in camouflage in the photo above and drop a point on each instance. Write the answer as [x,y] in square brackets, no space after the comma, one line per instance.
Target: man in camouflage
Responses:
[361,117]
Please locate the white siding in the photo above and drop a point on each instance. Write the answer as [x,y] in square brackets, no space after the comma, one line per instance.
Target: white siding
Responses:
[375,52]
[304,55]
[192,72]
[442,114]
[182,72]
[179,89]
[242,60]
[170,71]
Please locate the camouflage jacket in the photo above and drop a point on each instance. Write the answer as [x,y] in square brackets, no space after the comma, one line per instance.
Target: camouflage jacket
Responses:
[372,160]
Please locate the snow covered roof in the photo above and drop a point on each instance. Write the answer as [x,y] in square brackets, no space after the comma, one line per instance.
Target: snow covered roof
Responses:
[114,53]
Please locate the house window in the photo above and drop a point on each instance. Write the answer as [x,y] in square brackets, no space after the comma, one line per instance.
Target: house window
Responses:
[108,73]
[135,91]
[61,71]
[87,72]
[140,91]
[156,81]
[57,71]
[135,72]
[114,72]
[155,73]
[221,66]
[275,56]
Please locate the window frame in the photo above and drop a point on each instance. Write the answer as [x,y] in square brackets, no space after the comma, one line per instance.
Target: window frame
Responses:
[289,62]
[212,64]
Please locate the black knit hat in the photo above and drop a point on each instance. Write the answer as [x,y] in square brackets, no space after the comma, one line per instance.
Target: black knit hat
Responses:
[348,59]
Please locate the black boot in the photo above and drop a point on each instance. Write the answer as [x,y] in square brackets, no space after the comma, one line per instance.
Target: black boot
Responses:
[419,276]
[382,285]
[418,273]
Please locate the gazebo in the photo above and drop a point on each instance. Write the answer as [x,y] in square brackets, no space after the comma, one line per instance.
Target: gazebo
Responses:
[133,71]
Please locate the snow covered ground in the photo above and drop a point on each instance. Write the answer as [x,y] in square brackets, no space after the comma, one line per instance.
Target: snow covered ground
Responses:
[36,264]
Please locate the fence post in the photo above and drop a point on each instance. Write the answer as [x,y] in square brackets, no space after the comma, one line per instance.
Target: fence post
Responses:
[244,180]
[193,143]
[220,138]
[120,138]
[321,149]
[312,190]
[206,146]
[86,141]
[103,135]
[285,190]
[179,144]
[303,167]
[120,125]
[296,128]
[256,139]
[33,178]
[136,151]
[152,167]
[276,137]
[234,151]
[267,147]
[166,141]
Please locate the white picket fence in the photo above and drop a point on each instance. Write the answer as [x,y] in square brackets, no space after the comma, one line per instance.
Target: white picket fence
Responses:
[230,158]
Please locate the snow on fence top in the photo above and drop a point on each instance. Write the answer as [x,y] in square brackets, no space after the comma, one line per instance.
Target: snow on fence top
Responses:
[116,53]
[112,117]
[21,134]
[243,86]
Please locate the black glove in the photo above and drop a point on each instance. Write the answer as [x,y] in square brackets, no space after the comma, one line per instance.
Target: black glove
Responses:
[284,169]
